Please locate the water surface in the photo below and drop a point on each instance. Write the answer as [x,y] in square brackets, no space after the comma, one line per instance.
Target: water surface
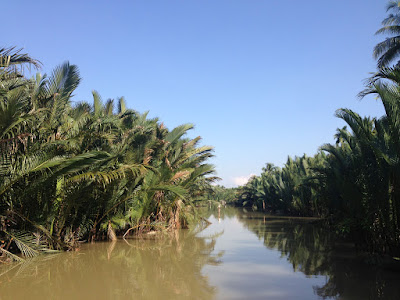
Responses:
[241,255]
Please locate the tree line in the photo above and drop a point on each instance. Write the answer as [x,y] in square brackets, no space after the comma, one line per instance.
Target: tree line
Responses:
[86,170]
[354,182]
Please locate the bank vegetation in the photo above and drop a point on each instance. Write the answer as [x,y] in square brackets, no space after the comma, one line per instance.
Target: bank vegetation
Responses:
[84,171]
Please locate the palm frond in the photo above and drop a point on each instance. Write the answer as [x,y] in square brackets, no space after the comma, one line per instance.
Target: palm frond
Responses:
[12,256]
[178,132]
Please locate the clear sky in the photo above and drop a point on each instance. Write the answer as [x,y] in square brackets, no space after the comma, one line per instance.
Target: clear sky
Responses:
[260,80]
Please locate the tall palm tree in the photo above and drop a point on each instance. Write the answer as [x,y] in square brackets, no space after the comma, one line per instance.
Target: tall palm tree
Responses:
[387,52]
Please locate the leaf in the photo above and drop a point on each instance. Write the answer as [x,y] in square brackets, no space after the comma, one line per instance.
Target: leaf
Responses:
[26,243]
[11,255]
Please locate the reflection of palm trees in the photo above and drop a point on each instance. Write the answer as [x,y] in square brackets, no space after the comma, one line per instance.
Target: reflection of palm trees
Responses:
[313,250]
[159,268]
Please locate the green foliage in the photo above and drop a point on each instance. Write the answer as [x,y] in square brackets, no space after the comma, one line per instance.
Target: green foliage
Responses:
[355,183]
[388,51]
[222,194]
[83,171]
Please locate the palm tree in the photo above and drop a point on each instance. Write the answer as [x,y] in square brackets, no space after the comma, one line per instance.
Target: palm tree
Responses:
[387,51]
[13,62]
[70,172]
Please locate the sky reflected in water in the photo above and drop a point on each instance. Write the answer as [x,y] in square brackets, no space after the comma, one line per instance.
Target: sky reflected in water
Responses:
[249,270]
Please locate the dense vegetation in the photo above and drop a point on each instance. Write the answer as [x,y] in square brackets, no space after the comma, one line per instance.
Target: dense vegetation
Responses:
[356,181]
[221,194]
[72,172]
[81,171]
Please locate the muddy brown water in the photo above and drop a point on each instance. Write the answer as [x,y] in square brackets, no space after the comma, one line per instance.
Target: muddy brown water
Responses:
[241,255]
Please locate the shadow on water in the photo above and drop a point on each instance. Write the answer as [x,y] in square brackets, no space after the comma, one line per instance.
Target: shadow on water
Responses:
[158,268]
[312,250]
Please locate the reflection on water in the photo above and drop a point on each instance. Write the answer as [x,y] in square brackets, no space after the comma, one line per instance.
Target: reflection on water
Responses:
[242,255]
[330,269]
[162,268]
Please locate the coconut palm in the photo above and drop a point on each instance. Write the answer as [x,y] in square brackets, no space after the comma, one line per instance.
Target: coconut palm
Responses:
[386,52]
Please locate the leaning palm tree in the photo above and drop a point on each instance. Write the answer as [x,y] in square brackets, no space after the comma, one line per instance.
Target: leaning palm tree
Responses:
[388,51]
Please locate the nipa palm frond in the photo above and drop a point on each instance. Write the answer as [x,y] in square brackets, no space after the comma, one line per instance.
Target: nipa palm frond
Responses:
[29,245]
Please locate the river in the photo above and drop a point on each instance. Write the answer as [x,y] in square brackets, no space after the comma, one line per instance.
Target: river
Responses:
[241,255]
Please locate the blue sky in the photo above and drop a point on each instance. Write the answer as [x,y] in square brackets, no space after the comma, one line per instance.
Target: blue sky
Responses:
[260,80]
